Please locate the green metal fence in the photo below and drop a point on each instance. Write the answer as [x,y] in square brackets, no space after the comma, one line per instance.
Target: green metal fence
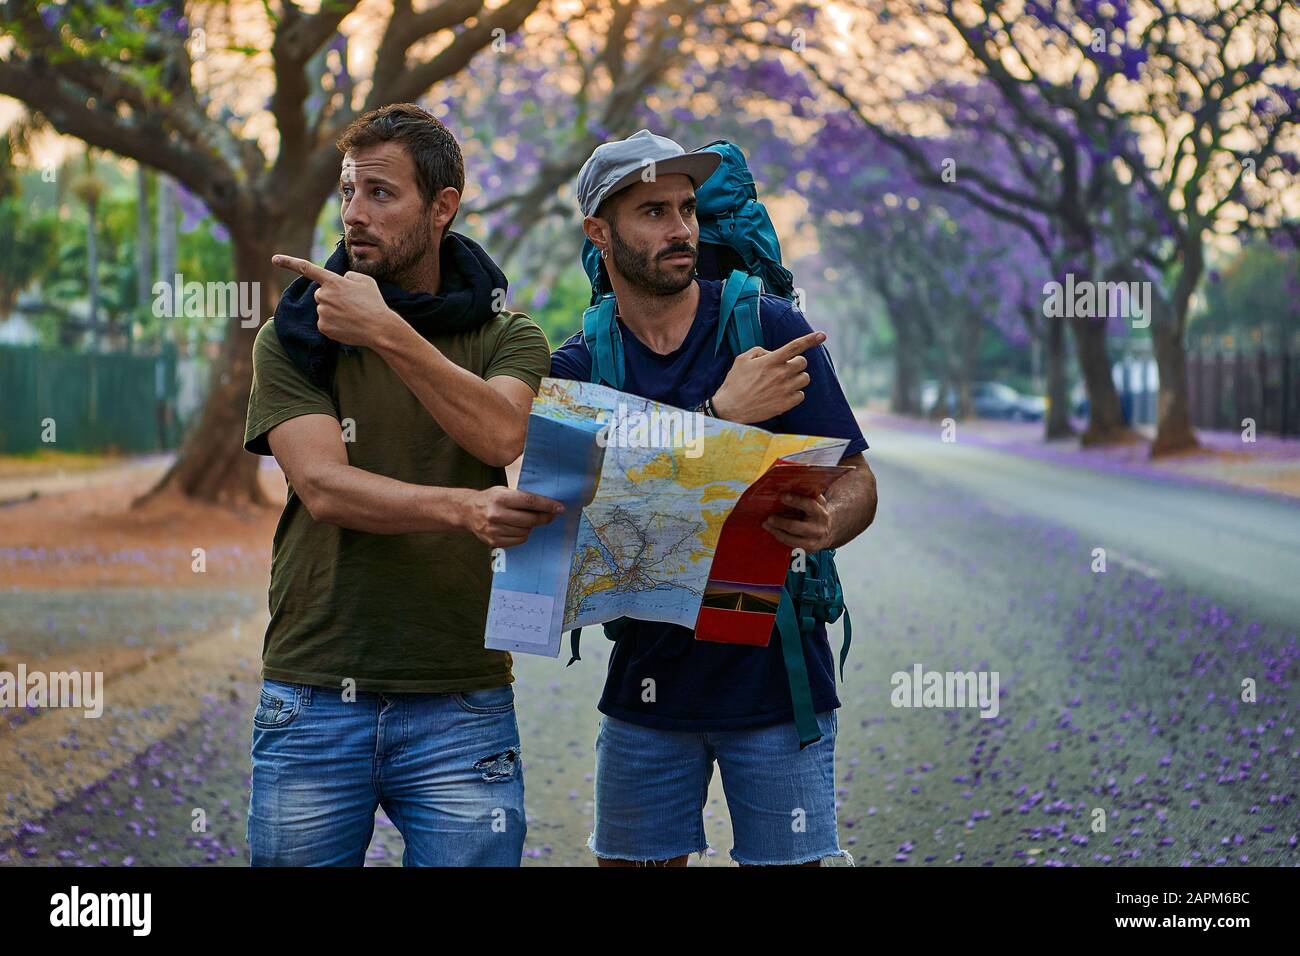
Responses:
[86,401]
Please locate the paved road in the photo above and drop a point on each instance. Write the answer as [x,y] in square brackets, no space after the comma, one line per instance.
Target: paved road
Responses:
[1238,546]
[1120,693]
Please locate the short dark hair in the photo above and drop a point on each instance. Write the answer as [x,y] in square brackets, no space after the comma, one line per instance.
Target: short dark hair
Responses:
[608,208]
[434,150]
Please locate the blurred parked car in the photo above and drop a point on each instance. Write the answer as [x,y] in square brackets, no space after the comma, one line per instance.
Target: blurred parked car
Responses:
[930,398]
[1079,401]
[989,400]
[995,400]
[1033,408]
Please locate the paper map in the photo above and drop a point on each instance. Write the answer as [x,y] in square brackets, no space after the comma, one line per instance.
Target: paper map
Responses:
[647,489]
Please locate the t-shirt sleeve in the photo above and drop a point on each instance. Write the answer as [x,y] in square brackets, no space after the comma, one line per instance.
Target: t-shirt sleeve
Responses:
[571,360]
[824,411]
[521,352]
[281,391]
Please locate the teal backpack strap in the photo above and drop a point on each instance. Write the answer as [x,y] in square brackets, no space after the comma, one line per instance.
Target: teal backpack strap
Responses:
[604,344]
[831,593]
[810,597]
[738,318]
[844,645]
[805,720]
[612,631]
[819,597]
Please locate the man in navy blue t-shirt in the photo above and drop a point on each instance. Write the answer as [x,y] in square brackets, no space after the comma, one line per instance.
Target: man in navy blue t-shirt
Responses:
[672,704]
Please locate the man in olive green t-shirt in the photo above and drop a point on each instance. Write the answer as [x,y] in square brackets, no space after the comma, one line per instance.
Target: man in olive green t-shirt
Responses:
[377,689]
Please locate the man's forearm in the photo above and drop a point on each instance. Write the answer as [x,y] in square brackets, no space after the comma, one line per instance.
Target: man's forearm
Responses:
[475,415]
[852,505]
[851,501]
[360,500]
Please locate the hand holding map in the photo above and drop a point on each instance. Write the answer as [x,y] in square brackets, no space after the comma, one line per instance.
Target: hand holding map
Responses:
[750,565]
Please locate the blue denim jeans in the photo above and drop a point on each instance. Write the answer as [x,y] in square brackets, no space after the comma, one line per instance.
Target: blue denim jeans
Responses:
[445,768]
[652,785]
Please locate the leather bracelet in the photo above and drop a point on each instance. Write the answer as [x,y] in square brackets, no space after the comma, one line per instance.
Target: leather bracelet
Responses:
[706,407]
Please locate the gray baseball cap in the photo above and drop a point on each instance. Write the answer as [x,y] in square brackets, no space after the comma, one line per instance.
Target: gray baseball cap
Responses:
[617,165]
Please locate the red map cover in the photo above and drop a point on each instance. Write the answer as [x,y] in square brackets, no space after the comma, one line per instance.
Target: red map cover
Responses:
[750,566]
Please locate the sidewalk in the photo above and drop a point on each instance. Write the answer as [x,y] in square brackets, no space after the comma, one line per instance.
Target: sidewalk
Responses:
[1270,465]
[21,480]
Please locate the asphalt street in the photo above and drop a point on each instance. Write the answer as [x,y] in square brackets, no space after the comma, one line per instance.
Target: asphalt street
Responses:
[1125,732]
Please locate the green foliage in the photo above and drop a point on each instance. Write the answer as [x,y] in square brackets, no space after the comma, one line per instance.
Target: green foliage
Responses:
[204,257]
[27,233]
[28,247]
[67,280]
[133,37]
[43,239]
[1000,361]
[560,315]
[1255,290]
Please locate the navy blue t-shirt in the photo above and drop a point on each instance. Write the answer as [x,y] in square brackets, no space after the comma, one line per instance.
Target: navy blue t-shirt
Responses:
[703,685]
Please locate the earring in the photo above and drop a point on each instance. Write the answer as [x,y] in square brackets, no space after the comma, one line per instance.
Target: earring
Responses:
[604,253]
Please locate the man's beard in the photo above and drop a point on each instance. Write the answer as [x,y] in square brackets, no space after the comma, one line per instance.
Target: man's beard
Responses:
[643,271]
[398,262]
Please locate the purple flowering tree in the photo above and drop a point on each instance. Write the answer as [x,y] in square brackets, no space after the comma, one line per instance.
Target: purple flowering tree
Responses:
[1139,130]
[531,121]
[1210,94]
[158,81]
[880,219]
[1020,159]
[945,270]
[538,115]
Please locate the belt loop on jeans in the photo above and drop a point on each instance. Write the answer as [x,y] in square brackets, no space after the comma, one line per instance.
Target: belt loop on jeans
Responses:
[306,694]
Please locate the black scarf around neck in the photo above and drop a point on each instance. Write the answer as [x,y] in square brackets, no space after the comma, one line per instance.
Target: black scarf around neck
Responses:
[467,297]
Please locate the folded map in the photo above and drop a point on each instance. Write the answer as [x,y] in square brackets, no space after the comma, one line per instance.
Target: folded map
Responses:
[647,489]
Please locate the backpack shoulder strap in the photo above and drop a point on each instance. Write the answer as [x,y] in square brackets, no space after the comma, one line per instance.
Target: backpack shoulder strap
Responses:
[819,596]
[738,313]
[796,670]
[613,630]
[808,597]
[604,344]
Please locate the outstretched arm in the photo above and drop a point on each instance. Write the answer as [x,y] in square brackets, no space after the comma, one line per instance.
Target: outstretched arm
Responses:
[488,419]
[310,449]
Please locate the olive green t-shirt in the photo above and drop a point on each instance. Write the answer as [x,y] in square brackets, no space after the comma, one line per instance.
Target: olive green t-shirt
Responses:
[393,612]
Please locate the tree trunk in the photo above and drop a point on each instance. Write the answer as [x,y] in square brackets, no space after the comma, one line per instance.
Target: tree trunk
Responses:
[1168,322]
[950,402]
[166,245]
[212,464]
[968,356]
[1057,419]
[143,241]
[1173,410]
[905,398]
[92,272]
[1105,415]
[965,404]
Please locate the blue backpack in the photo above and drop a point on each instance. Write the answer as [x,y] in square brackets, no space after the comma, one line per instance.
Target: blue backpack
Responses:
[737,239]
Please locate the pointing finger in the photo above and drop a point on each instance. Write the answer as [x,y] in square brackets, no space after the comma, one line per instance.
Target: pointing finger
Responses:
[796,346]
[304,267]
